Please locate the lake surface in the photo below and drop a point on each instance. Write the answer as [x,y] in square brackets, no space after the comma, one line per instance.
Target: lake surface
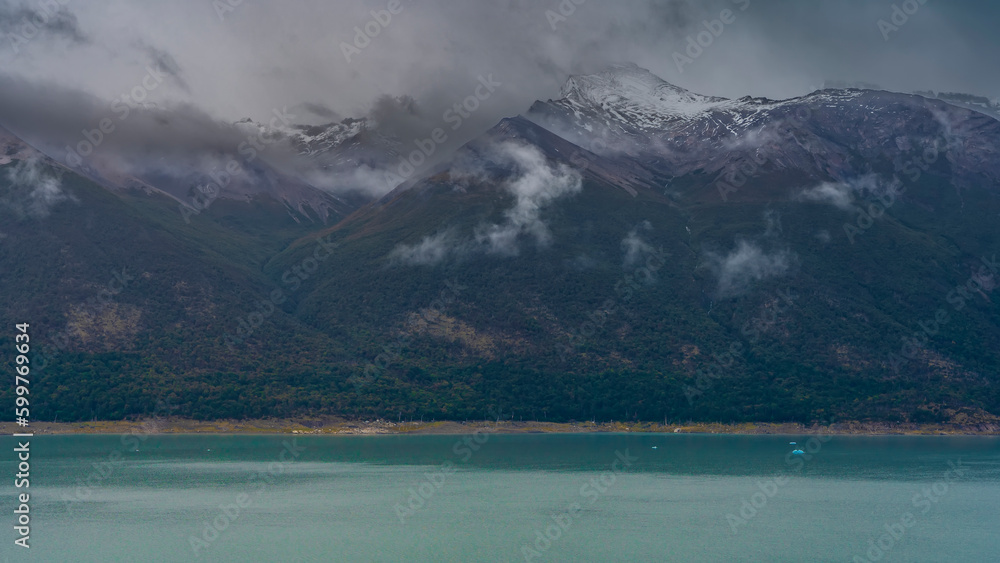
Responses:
[539,497]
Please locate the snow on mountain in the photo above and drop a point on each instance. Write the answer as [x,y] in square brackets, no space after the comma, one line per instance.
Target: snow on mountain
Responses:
[308,140]
[629,115]
[629,100]
[634,97]
[640,121]
[313,140]
[339,146]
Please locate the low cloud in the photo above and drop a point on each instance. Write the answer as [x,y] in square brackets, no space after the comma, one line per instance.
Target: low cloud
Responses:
[33,189]
[634,247]
[836,194]
[842,194]
[20,23]
[751,140]
[745,264]
[534,183]
[432,250]
[537,185]
[172,146]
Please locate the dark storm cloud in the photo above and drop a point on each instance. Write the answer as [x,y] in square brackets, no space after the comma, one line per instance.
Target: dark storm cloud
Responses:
[21,22]
[416,71]
[179,145]
[791,45]
[266,55]
[165,62]
[47,114]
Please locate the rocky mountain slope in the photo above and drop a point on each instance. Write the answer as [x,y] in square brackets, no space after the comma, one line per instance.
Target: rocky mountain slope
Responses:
[630,250]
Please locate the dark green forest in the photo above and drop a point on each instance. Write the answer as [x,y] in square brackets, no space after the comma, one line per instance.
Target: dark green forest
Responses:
[229,317]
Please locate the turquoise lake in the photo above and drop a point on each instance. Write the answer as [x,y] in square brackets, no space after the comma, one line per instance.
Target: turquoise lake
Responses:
[493,497]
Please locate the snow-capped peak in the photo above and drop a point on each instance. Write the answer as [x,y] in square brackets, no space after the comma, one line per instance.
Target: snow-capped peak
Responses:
[319,139]
[307,139]
[636,95]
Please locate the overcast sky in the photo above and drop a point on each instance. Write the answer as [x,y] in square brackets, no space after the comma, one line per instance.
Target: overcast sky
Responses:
[262,55]
[224,63]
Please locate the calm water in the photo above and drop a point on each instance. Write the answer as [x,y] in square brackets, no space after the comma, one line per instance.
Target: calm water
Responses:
[515,498]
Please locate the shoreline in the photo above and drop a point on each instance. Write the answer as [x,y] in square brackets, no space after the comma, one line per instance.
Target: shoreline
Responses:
[335,427]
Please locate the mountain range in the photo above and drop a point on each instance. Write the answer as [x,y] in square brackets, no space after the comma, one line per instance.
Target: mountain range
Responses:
[629,250]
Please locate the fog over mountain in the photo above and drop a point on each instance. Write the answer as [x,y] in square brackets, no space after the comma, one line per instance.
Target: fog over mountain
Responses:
[190,68]
[621,223]
[611,194]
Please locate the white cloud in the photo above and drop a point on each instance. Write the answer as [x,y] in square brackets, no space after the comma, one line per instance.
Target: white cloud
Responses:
[33,189]
[842,194]
[538,184]
[745,264]
[634,247]
[535,184]
[429,251]
[836,194]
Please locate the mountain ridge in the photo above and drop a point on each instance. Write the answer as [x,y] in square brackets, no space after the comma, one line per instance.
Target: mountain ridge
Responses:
[538,269]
